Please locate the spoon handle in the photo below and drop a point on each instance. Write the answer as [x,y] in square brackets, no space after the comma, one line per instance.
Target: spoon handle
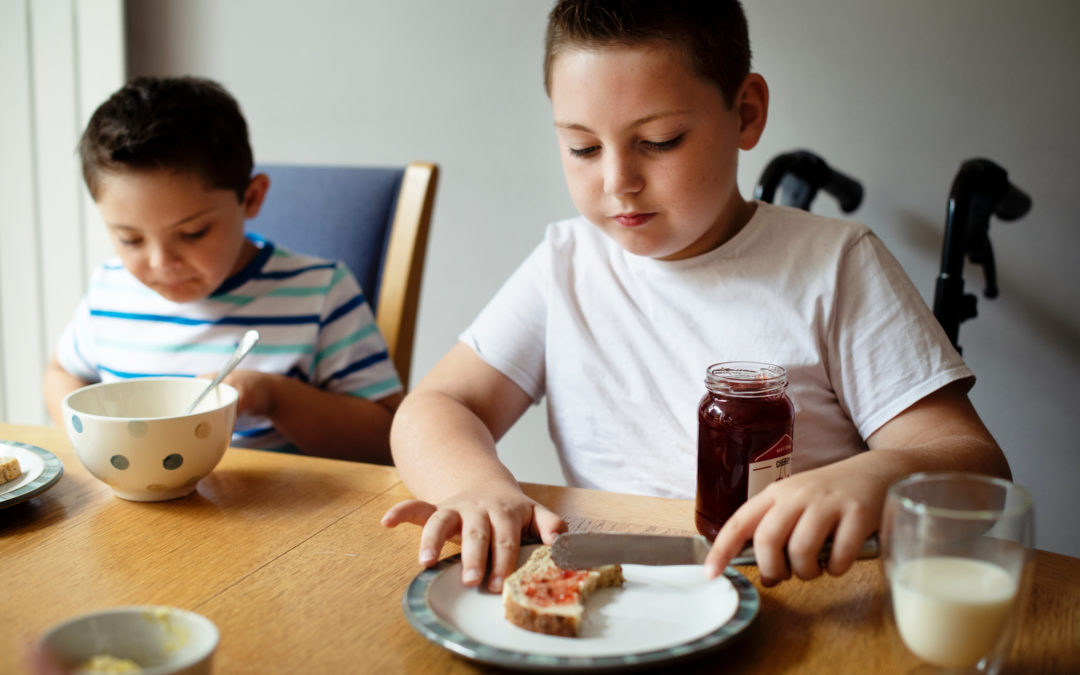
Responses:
[246,344]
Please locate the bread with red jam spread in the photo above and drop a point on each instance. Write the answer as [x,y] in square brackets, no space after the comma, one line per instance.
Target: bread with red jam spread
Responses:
[544,598]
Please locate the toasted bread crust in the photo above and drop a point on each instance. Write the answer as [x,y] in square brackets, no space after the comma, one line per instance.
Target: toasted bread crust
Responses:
[562,619]
[9,469]
[538,621]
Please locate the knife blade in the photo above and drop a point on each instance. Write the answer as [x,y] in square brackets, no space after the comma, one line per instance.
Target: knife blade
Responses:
[581,550]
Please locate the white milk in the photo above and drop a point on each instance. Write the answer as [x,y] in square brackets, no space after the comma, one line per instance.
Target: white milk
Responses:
[950,611]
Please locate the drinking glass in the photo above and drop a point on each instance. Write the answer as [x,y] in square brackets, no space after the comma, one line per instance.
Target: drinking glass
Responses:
[957,554]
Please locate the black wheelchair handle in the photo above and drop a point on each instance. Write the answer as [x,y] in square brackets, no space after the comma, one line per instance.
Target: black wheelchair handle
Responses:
[981,189]
[1014,204]
[815,174]
[847,190]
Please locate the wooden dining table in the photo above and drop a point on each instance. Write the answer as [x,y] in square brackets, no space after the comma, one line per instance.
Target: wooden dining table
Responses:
[287,556]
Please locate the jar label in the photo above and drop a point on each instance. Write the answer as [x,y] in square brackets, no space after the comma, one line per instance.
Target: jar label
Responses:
[771,465]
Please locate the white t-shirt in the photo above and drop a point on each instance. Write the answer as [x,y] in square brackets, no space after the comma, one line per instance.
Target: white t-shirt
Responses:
[620,343]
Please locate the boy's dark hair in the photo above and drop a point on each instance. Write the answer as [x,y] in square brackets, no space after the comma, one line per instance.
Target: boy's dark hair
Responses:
[713,33]
[181,123]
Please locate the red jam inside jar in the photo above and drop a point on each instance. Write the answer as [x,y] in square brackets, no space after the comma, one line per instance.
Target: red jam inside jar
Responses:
[745,423]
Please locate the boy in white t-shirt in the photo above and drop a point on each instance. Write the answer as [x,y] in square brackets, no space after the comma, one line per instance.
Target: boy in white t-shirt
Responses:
[616,315]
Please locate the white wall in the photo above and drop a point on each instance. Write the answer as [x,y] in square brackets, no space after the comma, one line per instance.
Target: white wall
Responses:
[898,94]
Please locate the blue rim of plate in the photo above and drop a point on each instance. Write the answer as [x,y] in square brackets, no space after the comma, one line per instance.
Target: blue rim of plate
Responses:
[51,473]
[428,623]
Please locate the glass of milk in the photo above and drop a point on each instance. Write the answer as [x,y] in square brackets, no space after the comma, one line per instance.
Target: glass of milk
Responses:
[957,552]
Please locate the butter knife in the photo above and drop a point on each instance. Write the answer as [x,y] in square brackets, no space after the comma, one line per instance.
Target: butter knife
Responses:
[580,550]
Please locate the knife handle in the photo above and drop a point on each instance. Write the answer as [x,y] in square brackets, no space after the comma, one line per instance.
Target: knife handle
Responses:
[869,549]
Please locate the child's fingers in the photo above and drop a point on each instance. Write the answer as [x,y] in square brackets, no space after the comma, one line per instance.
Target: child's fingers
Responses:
[506,527]
[770,542]
[475,544]
[733,536]
[848,540]
[437,530]
[546,524]
[412,511]
[806,540]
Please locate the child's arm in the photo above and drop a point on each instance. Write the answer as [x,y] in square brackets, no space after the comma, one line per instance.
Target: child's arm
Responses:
[443,441]
[941,432]
[318,422]
[58,384]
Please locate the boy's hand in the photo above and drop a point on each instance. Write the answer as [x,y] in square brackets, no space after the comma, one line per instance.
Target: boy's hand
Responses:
[490,525]
[255,391]
[790,520]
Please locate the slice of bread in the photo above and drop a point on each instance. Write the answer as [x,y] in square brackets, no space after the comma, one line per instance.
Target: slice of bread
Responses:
[544,598]
[9,469]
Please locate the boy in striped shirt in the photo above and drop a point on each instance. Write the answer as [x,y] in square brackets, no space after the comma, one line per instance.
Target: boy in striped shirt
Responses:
[168,163]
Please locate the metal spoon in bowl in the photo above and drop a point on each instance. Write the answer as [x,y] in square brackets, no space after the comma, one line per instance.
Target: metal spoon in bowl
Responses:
[246,344]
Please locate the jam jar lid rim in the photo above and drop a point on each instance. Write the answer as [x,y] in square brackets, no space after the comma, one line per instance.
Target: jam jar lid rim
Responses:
[752,369]
[734,378]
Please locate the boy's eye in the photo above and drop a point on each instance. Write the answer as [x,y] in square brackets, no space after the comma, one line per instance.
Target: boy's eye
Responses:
[197,234]
[584,152]
[130,242]
[661,146]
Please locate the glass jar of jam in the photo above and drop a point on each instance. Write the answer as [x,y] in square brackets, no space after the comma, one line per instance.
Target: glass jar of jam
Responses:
[745,425]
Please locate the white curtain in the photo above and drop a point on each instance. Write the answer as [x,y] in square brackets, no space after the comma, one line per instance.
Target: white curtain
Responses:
[58,60]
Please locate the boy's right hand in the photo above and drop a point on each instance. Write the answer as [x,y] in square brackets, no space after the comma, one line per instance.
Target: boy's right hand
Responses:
[489,524]
[254,389]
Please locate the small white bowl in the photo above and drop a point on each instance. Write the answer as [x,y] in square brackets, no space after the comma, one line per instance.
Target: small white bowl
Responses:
[161,640]
[134,436]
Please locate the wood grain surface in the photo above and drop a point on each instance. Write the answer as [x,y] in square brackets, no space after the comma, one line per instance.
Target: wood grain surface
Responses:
[287,556]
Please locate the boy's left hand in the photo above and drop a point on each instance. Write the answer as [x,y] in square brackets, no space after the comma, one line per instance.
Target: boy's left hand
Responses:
[790,520]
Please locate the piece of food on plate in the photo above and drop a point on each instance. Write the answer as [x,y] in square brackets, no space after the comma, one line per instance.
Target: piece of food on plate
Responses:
[9,469]
[544,598]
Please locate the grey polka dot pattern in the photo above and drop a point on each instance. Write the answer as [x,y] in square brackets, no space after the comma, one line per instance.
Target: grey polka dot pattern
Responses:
[138,429]
[76,424]
[202,430]
[119,461]
[173,461]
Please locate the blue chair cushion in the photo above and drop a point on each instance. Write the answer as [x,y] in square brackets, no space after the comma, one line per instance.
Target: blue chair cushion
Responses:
[340,213]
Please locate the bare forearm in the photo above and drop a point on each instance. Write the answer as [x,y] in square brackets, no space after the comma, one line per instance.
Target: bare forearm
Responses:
[940,433]
[441,448]
[58,384]
[962,452]
[329,424]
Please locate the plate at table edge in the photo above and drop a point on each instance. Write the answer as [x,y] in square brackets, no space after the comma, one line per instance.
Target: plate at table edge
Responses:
[423,617]
[50,474]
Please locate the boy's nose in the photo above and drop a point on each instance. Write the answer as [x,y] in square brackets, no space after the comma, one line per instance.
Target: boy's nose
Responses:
[621,175]
[162,257]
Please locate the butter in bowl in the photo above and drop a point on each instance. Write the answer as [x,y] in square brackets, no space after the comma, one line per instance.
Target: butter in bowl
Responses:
[149,640]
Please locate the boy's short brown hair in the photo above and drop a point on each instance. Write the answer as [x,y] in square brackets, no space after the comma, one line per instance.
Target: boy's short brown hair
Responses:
[182,123]
[713,33]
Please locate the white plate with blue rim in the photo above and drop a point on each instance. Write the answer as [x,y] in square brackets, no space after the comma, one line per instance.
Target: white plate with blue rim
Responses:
[40,471]
[661,615]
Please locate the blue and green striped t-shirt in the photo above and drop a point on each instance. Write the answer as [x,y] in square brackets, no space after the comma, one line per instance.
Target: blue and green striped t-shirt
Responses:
[314,321]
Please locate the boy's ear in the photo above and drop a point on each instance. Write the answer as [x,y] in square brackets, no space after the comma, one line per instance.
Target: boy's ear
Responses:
[255,194]
[752,102]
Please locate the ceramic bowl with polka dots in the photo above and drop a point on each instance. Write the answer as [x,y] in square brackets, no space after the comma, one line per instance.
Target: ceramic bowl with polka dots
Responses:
[134,436]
